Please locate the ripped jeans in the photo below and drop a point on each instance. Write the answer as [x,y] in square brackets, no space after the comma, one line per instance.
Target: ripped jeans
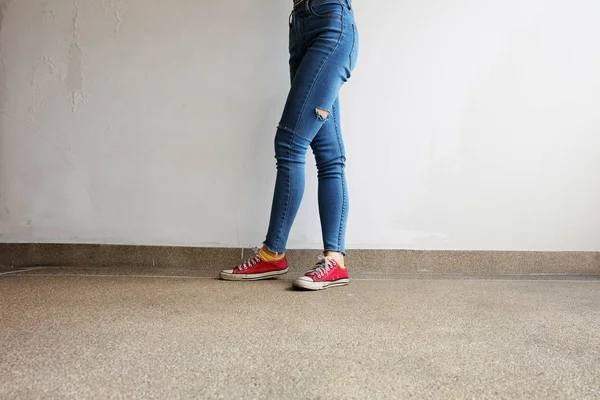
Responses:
[323,52]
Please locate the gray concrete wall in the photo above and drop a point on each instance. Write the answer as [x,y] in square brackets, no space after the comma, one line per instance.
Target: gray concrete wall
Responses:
[470,125]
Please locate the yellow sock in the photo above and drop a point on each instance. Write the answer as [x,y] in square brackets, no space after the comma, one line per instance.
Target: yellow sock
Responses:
[341,265]
[269,258]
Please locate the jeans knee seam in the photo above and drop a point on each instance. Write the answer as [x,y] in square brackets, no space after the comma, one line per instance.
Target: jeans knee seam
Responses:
[337,132]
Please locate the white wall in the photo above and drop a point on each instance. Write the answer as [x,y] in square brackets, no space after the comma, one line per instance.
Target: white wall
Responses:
[469,124]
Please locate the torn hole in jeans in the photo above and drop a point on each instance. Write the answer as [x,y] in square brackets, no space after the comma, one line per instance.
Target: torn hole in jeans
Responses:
[322,114]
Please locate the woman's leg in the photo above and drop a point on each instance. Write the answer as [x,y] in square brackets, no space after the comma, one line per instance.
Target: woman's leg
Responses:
[330,154]
[325,66]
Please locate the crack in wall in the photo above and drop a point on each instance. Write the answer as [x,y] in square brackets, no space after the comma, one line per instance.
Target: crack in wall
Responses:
[3,87]
[74,79]
[4,211]
[48,10]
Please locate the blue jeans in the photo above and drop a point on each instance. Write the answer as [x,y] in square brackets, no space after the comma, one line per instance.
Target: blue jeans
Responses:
[323,53]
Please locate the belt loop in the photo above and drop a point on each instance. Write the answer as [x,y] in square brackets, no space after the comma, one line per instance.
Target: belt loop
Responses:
[298,3]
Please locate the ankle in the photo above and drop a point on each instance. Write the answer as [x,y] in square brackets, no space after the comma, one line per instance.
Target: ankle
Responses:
[269,255]
[337,256]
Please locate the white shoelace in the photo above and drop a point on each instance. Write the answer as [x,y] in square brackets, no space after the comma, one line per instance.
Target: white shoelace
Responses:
[322,268]
[252,261]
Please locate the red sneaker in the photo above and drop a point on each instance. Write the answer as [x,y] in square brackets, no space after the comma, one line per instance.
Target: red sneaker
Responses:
[255,268]
[327,273]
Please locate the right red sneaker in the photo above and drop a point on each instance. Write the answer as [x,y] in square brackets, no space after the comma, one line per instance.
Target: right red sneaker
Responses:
[255,268]
[327,273]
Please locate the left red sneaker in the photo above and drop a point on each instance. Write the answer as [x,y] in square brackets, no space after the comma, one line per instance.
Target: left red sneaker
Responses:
[327,273]
[255,268]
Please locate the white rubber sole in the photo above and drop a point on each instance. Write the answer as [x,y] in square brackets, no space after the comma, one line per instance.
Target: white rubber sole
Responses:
[228,275]
[311,285]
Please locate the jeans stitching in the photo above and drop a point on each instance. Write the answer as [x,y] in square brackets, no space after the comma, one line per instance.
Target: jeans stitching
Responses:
[353,45]
[287,202]
[343,211]
[309,7]
[338,137]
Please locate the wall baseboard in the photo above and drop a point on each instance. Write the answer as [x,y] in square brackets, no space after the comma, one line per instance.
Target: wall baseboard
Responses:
[213,259]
